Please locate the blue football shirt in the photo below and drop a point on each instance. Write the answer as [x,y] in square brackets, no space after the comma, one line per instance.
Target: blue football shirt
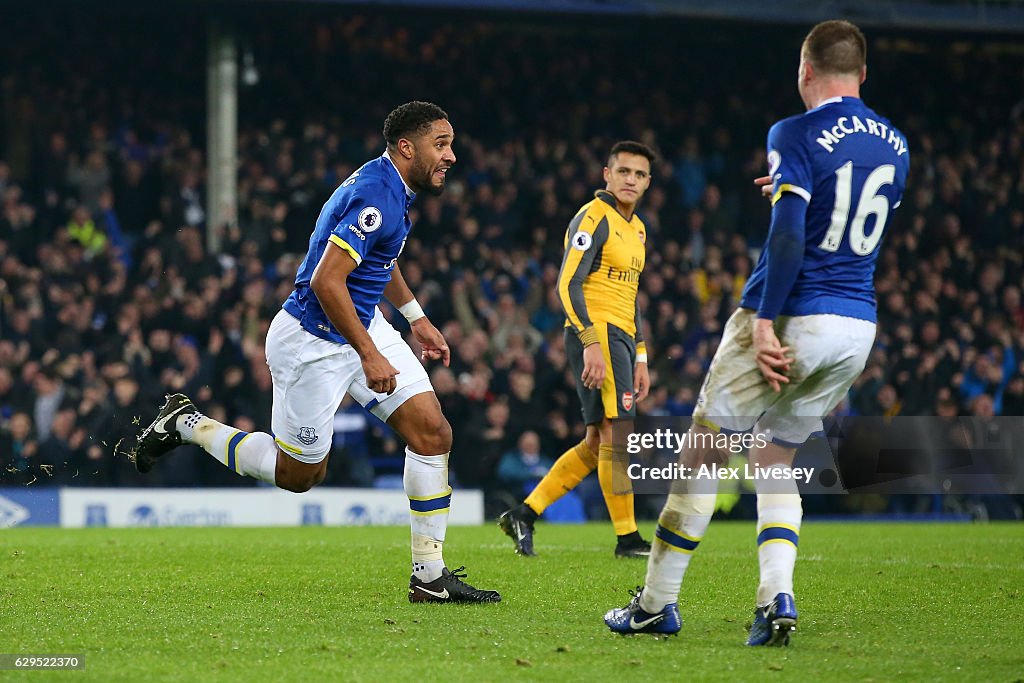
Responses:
[368,217]
[851,166]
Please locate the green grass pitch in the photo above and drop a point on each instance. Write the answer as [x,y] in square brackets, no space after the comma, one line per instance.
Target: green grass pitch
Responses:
[877,603]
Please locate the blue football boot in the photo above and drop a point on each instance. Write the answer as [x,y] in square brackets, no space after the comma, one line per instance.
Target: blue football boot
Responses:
[774,622]
[632,619]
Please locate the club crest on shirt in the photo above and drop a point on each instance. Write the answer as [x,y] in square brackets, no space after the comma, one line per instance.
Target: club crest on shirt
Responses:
[307,435]
[627,399]
[369,219]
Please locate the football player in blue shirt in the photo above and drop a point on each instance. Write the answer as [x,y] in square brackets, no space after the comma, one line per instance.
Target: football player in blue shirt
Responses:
[802,333]
[330,339]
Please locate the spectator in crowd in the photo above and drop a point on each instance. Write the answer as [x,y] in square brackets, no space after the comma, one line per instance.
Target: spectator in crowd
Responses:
[523,464]
[22,450]
[49,393]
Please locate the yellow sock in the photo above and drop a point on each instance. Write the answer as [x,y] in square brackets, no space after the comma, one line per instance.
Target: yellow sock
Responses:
[568,471]
[618,493]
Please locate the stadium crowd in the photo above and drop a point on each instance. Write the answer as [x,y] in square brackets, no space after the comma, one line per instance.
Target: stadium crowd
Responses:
[109,297]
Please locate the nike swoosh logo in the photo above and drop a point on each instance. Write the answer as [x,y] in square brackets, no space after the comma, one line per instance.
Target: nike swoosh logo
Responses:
[159,425]
[443,594]
[637,625]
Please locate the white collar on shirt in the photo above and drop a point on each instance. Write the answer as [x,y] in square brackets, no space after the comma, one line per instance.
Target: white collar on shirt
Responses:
[831,100]
[408,190]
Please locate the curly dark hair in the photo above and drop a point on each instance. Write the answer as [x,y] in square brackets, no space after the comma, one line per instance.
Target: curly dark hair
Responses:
[410,118]
[632,147]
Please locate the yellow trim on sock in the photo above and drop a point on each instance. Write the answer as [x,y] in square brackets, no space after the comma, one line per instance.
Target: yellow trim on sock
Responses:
[673,548]
[227,446]
[688,537]
[237,448]
[440,495]
[779,525]
[439,511]
[776,540]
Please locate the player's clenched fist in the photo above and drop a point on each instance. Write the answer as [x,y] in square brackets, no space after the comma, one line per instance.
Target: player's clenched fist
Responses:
[380,374]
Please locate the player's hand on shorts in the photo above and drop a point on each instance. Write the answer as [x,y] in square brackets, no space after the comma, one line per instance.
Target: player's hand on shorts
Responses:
[432,342]
[641,381]
[380,374]
[766,185]
[593,366]
[772,358]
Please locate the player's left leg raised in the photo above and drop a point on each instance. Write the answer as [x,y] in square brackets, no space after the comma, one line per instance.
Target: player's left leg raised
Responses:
[179,421]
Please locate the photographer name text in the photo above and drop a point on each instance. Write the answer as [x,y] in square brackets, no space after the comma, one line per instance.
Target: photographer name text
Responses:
[749,472]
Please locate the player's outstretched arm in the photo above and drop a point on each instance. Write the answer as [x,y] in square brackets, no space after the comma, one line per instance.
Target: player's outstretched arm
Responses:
[330,284]
[431,341]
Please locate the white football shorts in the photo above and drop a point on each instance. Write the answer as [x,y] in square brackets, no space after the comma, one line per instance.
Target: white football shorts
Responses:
[829,353]
[312,375]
